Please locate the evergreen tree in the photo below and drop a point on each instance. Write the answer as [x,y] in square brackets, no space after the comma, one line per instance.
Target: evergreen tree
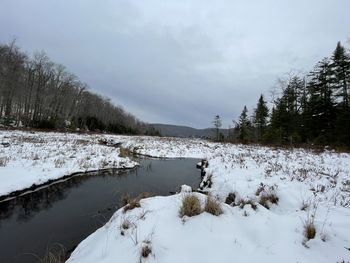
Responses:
[341,69]
[321,105]
[217,124]
[260,117]
[244,127]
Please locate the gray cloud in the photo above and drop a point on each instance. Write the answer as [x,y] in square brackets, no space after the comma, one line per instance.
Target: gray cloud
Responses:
[179,62]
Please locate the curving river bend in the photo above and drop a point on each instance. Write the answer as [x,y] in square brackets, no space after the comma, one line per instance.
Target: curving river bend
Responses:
[67,212]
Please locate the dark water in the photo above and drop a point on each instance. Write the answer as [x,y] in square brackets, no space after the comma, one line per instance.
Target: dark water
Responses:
[69,211]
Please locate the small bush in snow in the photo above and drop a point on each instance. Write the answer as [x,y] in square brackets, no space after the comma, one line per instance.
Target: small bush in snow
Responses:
[267,199]
[267,195]
[244,202]
[213,206]
[126,224]
[230,199]
[191,206]
[146,249]
[124,152]
[309,229]
[309,225]
[130,203]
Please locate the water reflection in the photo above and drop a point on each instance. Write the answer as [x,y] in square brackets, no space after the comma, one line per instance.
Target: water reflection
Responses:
[69,211]
[26,206]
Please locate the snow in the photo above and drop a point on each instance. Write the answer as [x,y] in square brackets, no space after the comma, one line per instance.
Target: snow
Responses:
[35,158]
[306,184]
[263,236]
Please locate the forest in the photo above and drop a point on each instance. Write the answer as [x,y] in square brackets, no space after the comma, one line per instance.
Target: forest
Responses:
[310,109]
[38,93]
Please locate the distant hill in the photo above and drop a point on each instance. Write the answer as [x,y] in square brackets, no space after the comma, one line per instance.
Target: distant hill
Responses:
[184,131]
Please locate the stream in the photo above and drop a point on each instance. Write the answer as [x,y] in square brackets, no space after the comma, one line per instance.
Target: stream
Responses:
[67,212]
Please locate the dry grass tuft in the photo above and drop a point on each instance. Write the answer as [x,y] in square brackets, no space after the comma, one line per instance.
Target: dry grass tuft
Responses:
[230,199]
[125,225]
[124,152]
[55,254]
[213,206]
[191,206]
[130,203]
[133,203]
[244,202]
[267,195]
[146,249]
[309,230]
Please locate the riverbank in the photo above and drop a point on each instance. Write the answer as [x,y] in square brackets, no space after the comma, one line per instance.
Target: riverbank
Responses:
[278,206]
[31,159]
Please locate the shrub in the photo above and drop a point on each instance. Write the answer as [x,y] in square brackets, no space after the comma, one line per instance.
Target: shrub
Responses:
[243,203]
[130,203]
[230,198]
[125,225]
[191,206]
[267,195]
[309,229]
[124,152]
[146,249]
[213,206]
[267,199]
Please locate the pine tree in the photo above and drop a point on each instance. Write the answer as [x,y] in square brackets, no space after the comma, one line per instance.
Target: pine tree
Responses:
[341,69]
[321,105]
[244,127]
[260,117]
[217,124]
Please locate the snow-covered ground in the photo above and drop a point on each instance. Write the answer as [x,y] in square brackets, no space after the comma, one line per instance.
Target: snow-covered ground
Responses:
[35,158]
[311,187]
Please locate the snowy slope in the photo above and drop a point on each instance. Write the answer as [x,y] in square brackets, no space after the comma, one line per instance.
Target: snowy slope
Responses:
[262,236]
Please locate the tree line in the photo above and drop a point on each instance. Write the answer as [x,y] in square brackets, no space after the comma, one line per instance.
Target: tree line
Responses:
[312,109]
[36,92]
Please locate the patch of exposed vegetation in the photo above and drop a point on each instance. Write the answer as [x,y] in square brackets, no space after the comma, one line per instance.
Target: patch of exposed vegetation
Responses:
[191,206]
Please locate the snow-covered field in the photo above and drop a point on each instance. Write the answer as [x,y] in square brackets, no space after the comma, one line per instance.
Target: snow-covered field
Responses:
[35,158]
[310,188]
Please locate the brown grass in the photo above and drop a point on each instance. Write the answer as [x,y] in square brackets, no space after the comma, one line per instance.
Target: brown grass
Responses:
[267,199]
[267,195]
[243,203]
[213,206]
[55,254]
[125,225]
[309,230]
[130,203]
[124,152]
[191,206]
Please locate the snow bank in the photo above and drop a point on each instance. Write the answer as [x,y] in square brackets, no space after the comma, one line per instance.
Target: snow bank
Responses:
[309,187]
[262,236]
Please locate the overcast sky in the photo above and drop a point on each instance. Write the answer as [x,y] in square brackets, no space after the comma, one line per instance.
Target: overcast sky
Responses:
[179,62]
